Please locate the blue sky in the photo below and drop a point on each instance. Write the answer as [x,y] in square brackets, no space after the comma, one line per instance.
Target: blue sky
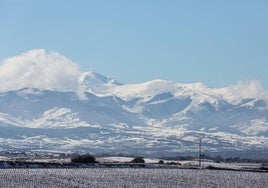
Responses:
[217,43]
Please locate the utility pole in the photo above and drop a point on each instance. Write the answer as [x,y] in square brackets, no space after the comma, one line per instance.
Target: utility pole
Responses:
[200,140]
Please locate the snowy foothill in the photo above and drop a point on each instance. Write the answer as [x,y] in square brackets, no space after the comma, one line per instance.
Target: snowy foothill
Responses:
[205,163]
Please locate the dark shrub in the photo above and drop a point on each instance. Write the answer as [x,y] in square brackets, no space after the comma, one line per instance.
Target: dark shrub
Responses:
[264,167]
[173,163]
[161,162]
[85,158]
[211,167]
[138,160]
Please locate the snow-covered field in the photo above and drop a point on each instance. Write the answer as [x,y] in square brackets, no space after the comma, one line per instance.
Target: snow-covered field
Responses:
[130,177]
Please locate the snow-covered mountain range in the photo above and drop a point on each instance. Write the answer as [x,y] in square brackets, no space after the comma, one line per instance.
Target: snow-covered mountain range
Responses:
[157,118]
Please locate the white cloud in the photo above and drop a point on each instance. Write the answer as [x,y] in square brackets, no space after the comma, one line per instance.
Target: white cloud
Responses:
[39,69]
[248,89]
[244,90]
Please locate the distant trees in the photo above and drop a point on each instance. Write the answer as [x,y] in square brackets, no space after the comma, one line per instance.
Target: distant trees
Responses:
[85,158]
[138,160]
[264,166]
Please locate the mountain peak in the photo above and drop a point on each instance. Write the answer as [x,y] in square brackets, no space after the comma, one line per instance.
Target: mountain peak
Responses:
[90,78]
[96,83]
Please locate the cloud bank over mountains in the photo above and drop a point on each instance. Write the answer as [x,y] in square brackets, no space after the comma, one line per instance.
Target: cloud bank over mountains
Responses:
[247,89]
[50,70]
[39,69]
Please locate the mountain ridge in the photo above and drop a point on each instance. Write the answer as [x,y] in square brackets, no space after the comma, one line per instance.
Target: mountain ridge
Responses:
[51,104]
[132,126]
